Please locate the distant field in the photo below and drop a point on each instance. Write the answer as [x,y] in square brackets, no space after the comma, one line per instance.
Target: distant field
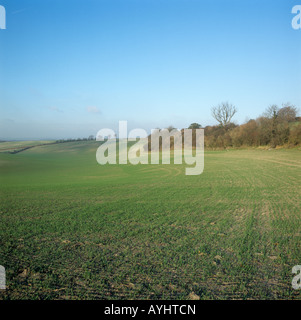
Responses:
[72,229]
[17,145]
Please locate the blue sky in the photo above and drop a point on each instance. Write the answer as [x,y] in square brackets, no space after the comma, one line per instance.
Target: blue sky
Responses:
[69,68]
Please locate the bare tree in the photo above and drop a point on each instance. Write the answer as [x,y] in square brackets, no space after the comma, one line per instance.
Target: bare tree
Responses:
[223,113]
[271,112]
[288,112]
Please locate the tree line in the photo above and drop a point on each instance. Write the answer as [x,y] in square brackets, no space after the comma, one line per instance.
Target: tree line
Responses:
[278,126]
[90,138]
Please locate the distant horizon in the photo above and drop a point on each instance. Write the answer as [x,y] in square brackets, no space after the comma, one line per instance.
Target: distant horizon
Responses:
[130,128]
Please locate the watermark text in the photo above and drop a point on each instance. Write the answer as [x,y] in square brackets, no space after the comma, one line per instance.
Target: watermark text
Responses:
[296,283]
[296,22]
[2,278]
[162,145]
[2,17]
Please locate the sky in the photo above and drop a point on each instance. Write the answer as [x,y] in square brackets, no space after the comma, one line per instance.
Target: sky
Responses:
[70,68]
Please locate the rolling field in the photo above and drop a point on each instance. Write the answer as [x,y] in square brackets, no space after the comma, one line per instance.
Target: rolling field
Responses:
[13,146]
[72,229]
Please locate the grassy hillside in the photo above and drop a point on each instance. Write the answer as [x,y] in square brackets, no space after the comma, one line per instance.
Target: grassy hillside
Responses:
[13,146]
[72,229]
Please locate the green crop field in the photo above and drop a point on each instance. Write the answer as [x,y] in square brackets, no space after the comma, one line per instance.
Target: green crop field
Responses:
[73,229]
[12,146]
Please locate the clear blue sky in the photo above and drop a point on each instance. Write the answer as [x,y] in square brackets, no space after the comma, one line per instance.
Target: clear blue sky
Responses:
[69,68]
